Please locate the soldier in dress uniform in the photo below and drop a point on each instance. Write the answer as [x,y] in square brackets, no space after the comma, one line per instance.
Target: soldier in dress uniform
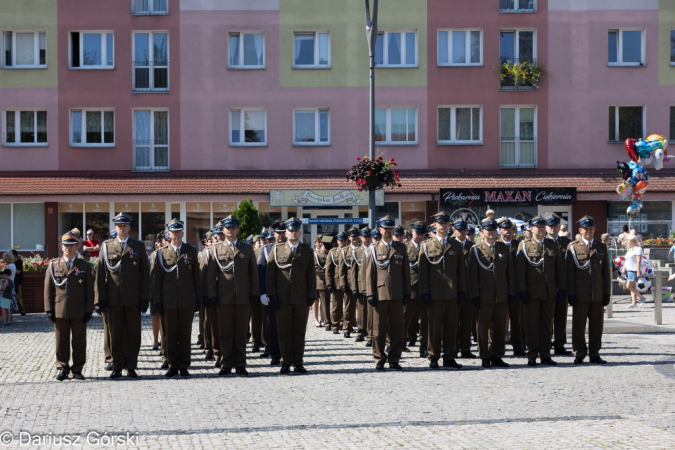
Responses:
[415,312]
[442,278]
[291,288]
[349,280]
[212,334]
[471,234]
[122,291]
[560,313]
[259,331]
[388,291]
[320,255]
[69,304]
[233,288]
[465,312]
[540,275]
[365,309]
[399,233]
[203,258]
[334,264]
[277,235]
[177,293]
[515,311]
[106,327]
[589,286]
[162,242]
[492,285]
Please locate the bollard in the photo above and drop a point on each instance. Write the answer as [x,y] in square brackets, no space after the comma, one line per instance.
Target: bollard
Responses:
[658,304]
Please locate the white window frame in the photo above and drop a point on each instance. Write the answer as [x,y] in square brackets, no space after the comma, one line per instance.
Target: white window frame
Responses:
[17,128]
[517,135]
[84,127]
[151,133]
[453,125]
[241,65]
[316,65]
[517,9]
[517,32]
[242,129]
[36,50]
[317,127]
[385,46]
[11,228]
[151,72]
[616,121]
[619,51]
[104,50]
[150,11]
[467,32]
[387,126]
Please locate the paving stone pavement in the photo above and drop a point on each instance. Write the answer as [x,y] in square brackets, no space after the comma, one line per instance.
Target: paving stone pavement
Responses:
[341,403]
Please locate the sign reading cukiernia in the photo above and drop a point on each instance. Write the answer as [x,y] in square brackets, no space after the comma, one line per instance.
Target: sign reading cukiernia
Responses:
[323,197]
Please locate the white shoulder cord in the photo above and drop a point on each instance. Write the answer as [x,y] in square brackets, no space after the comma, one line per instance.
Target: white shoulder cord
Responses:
[532,263]
[277,263]
[356,260]
[51,272]
[491,267]
[332,258]
[114,268]
[417,263]
[344,258]
[160,258]
[576,261]
[228,267]
[316,259]
[379,265]
[426,253]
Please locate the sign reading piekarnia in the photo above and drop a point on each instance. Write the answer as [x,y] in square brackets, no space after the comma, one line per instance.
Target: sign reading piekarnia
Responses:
[458,198]
[323,197]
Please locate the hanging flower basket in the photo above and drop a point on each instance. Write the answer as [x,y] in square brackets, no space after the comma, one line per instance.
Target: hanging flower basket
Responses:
[372,174]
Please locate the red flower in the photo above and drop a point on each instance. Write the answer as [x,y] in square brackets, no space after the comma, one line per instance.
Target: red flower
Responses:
[392,160]
[358,158]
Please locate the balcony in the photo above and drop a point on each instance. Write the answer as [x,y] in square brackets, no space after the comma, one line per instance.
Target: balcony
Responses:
[517,6]
[149,7]
[519,74]
[151,156]
[149,76]
[517,153]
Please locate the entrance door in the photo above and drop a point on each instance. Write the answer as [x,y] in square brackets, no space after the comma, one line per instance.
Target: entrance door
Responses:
[563,211]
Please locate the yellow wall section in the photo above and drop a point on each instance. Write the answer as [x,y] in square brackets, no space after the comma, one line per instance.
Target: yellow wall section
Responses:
[666,23]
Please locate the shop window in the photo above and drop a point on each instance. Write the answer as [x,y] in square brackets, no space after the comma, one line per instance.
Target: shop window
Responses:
[654,220]
[5,226]
[23,226]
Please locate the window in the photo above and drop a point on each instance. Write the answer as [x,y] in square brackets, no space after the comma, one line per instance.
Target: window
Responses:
[91,50]
[151,140]
[396,49]
[672,124]
[626,122]
[510,6]
[92,128]
[27,128]
[24,49]
[311,50]
[518,137]
[672,47]
[311,127]
[517,45]
[460,125]
[148,7]
[23,226]
[151,62]
[396,126]
[626,48]
[247,50]
[460,48]
[253,122]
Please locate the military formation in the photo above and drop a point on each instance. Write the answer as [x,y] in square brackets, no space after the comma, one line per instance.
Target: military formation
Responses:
[437,286]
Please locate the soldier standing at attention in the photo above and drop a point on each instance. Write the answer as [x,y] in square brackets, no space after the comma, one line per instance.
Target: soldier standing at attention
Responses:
[69,304]
[560,313]
[442,273]
[162,242]
[465,312]
[291,288]
[333,268]
[361,257]
[415,307]
[212,333]
[388,291]
[122,290]
[279,235]
[493,287]
[177,288]
[349,276]
[320,255]
[540,274]
[515,312]
[589,285]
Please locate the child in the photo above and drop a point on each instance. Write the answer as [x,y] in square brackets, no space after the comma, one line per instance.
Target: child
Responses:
[7,288]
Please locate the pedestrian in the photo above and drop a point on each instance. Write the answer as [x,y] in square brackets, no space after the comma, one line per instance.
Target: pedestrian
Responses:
[621,240]
[637,234]
[632,267]
[7,288]
[91,245]
[18,280]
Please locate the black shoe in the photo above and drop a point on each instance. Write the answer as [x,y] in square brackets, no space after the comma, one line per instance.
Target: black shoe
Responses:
[184,373]
[255,349]
[202,346]
[171,372]
[115,374]
[285,368]
[218,363]
[225,371]
[200,341]
[412,341]
[499,363]
[275,361]
[395,366]
[434,364]
[486,363]
[155,347]
[62,375]
[108,367]
[336,331]
[379,366]
[548,361]
[327,327]
[369,343]
[265,354]
[468,355]
[532,362]
[578,360]
[209,356]
[165,364]
[450,362]
[387,349]
[347,335]
[424,354]
[242,371]
[598,360]
[406,349]
[131,373]
[562,351]
[520,352]
[23,314]
[360,338]
[78,376]
[300,369]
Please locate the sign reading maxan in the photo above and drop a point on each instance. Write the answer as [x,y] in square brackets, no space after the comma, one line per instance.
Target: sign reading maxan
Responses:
[323,197]
[458,198]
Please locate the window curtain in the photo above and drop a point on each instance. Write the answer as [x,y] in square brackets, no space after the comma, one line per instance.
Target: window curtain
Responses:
[305,126]
[442,47]
[258,43]
[142,139]
[234,50]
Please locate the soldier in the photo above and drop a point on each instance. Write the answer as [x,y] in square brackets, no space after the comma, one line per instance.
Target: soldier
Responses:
[515,314]
[399,233]
[349,276]
[122,290]
[471,234]
[415,311]
[162,242]
[69,304]
[465,312]
[360,256]
[492,285]
[442,278]
[259,329]
[388,291]
[177,291]
[278,235]
[365,309]
[233,288]
[541,284]
[291,288]
[212,333]
[589,286]
[320,255]
[560,313]
[334,287]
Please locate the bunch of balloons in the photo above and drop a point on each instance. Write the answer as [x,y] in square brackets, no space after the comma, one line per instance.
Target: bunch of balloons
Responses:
[644,283]
[635,176]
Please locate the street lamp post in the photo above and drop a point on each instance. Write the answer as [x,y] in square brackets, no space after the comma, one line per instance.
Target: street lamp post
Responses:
[371,34]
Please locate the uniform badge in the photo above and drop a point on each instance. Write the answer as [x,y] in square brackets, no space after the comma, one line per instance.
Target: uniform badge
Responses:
[80,280]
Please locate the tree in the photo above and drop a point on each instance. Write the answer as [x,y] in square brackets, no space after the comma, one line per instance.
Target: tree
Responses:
[249,218]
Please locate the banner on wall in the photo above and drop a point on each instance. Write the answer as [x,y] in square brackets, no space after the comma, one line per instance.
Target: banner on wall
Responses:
[323,197]
[467,198]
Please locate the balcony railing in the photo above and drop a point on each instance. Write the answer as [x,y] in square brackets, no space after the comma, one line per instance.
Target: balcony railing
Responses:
[517,6]
[151,156]
[518,152]
[149,7]
[519,74]
[150,76]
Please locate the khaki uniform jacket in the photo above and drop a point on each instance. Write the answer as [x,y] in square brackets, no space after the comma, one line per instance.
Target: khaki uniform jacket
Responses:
[363,257]
[492,286]
[76,295]
[349,270]
[563,242]
[204,257]
[237,284]
[333,264]
[443,280]
[591,284]
[467,248]
[295,284]
[320,269]
[131,282]
[542,281]
[180,288]
[393,281]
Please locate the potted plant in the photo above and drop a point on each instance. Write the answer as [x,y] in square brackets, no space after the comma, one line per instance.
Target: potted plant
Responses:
[372,174]
[520,73]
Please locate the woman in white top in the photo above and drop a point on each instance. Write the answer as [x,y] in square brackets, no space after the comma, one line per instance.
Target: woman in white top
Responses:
[632,266]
